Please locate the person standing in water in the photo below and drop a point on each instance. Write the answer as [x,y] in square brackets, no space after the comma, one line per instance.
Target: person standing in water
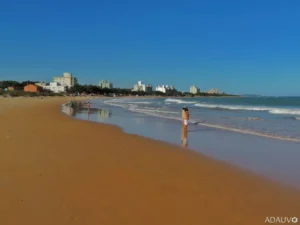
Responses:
[89,105]
[185,116]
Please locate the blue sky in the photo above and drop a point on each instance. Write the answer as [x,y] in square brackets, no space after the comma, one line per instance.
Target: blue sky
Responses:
[237,46]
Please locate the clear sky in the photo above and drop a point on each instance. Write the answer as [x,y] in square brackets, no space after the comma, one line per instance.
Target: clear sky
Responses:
[238,46]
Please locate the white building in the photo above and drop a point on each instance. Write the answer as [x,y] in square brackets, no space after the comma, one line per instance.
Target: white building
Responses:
[214,91]
[66,80]
[142,87]
[164,88]
[105,84]
[55,87]
[194,89]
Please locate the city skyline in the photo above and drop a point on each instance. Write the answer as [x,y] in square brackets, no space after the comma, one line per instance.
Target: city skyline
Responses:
[103,83]
[240,48]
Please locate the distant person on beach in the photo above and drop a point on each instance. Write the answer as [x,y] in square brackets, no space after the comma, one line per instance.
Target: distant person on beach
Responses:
[185,116]
[71,104]
[88,105]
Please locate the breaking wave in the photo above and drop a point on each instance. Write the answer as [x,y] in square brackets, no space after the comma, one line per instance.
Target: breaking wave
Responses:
[179,101]
[252,108]
[139,102]
[171,115]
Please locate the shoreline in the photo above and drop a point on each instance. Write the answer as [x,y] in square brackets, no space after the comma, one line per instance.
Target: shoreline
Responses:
[240,131]
[89,178]
[237,154]
[193,151]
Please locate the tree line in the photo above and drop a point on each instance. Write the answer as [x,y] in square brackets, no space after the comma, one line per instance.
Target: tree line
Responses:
[94,89]
[15,84]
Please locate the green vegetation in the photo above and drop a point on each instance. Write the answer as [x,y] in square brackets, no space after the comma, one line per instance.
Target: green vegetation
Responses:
[15,84]
[93,89]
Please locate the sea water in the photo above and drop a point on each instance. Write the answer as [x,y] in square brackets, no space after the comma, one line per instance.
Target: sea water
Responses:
[265,116]
[258,134]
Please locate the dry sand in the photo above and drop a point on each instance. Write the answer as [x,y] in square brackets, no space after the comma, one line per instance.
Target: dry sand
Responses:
[55,171]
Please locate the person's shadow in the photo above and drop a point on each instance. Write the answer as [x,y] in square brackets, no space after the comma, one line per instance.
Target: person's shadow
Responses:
[184,132]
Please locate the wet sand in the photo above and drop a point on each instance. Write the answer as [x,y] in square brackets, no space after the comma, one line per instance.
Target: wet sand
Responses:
[57,170]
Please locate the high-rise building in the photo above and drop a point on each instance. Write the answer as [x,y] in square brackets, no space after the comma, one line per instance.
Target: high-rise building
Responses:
[66,80]
[164,88]
[105,84]
[194,89]
[142,87]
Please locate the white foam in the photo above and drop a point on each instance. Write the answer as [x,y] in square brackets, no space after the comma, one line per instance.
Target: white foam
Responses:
[222,127]
[233,107]
[133,106]
[285,111]
[168,115]
[115,102]
[252,108]
[139,102]
[179,101]
[156,111]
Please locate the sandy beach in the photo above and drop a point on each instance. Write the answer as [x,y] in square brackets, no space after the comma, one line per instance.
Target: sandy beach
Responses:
[57,170]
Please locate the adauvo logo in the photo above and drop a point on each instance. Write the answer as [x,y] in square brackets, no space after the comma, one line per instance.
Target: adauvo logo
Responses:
[281,220]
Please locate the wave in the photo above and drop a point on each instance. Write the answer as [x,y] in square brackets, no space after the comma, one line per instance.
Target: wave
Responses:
[133,106]
[139,102]
[153,111]
[232,107]
[285,111]
[115,103]
[178,101]
[168,115]
[223,127]
[252,108]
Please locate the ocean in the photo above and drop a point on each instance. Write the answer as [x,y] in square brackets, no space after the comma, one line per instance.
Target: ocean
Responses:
[261,135]
[273,117]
